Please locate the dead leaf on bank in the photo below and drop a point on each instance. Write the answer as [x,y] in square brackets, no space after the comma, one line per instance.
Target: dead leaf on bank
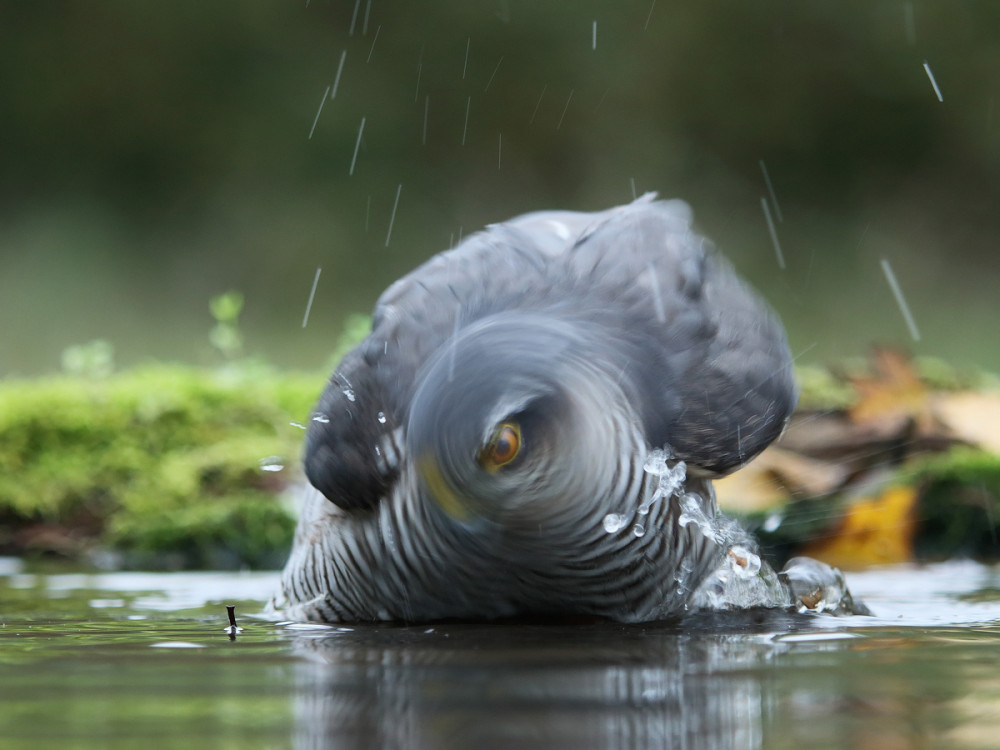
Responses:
[875,530]
[974,417]
[773,478]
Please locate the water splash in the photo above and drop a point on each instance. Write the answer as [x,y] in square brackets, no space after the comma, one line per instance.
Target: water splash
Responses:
[670,479]
[693,512]
[614,522]
[272,463]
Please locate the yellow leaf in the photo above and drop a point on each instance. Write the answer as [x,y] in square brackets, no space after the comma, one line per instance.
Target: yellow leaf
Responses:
[875,530]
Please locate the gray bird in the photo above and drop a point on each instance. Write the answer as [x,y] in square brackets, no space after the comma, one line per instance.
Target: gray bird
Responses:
[532,426]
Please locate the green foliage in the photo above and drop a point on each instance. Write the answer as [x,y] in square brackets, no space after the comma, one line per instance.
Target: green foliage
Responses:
[95,359]
[225,334]
[160,458]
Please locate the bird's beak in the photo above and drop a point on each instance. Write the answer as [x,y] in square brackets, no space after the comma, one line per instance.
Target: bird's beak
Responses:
[442,494]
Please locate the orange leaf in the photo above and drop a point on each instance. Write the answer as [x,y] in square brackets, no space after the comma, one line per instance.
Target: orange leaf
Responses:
[875,530]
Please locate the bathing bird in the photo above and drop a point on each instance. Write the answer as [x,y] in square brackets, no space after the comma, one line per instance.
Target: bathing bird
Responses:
[533,424]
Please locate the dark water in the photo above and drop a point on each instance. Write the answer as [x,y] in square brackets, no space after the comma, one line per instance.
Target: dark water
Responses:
[142,660]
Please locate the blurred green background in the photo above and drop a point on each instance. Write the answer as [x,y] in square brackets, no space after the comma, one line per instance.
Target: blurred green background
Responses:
[153,155]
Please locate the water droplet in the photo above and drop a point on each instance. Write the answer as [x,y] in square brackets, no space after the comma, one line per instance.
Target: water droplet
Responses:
[381,418]
[272,463]
[349,394]
[614,522]
[321,418]
[638,530]
[772,522]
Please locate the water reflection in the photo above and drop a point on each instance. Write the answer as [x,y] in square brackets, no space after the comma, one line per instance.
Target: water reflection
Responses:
[529,686]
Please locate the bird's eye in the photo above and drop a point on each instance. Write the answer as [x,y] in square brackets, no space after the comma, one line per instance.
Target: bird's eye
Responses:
[502,448]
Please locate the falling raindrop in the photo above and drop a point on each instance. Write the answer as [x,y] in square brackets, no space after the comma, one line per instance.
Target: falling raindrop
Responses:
[909,23]
[354,17]
[900,300]
[392,218]
[774,233]
[465,66]
[937,90]
[357,146]
[770,190]
[318,111]
[651,6]
[340,69]
[565,109]
[538,104]
[465,128]
[489,82]
[427,105]
[593,43]
[374,39]
[312,294]
[297,425]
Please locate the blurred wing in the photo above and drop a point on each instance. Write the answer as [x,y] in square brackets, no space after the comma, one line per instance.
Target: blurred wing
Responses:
[708,359]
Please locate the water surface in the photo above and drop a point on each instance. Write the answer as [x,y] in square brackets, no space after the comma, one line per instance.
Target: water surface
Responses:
[122,660]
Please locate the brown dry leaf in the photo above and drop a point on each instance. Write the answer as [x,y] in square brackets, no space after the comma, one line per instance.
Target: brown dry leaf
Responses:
[771,479]
[875,530]
[894,393]
[973,417]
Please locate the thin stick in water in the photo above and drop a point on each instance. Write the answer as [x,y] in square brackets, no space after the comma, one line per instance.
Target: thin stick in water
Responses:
[356,147]
[318,111]
[340,69]
[770,190]
[312,294]
[774,233]
[937,90]
[392,218]
[900,300]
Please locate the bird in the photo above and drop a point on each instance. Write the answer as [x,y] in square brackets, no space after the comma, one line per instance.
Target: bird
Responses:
[533,424]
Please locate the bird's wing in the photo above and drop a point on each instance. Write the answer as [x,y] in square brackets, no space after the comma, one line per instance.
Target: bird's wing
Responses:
[708,360]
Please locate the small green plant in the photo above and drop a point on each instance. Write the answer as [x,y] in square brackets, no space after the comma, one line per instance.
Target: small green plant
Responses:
[95,359]
[225,334]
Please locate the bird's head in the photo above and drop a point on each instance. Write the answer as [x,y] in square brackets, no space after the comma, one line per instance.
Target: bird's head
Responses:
[510,423]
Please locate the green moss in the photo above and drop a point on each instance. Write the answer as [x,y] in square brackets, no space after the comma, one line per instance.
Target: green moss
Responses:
[161,458]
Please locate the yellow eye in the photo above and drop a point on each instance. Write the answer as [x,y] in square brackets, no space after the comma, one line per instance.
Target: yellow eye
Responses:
[503,447]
